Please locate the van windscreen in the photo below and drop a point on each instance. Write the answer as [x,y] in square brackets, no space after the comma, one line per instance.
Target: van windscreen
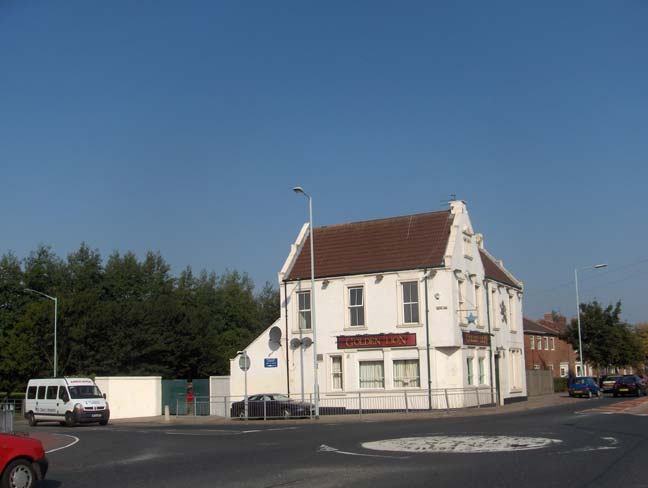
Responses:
[86,391]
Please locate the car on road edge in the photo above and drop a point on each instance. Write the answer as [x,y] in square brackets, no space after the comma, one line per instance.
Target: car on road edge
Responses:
[22,461]
[584,386]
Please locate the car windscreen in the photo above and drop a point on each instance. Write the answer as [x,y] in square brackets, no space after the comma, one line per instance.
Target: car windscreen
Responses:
[86,391]
[580,381]
[281,398]
[626,380]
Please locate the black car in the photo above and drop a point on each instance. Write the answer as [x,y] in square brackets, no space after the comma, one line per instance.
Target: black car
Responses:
[629,384]
[268,405]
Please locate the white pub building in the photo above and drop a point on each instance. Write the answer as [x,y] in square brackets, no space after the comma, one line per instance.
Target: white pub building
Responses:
[409,305]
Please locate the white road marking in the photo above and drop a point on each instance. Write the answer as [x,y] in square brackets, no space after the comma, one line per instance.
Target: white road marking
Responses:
[462,444]
[611,440]
[76,439]
[325,448]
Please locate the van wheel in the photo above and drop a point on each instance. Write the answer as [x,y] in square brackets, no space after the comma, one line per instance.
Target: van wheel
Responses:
[69,419]
[19,474]
[31,420]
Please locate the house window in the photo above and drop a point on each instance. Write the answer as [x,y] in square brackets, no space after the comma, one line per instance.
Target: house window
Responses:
[482,371]
[406,373]
[336,373]
[469,365]
[536,366]
[532,342]
[551,367]
[511,307]
[478,307]
[356,306]
[546,345]
[304,309]
[410,302]
[516,369]
[553,343]
[539,343]
[372,374]
[460,289]
[494,309]
[564,370]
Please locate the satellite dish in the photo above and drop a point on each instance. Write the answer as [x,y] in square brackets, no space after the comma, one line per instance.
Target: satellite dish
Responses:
[295,343]
[307,341]
[275,334]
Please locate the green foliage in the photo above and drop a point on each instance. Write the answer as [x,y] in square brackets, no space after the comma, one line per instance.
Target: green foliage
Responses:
[607,340]
[560,385]
[124,317]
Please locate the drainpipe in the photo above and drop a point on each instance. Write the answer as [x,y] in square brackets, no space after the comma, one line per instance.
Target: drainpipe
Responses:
[287,347]
[492,359]
[427,341]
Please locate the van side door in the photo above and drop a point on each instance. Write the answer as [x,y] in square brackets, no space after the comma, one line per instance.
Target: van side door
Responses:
[63,399]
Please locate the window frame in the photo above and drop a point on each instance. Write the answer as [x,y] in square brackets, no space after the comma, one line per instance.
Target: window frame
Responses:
[470,371]
[373,361]
[411,384]
[334,373]
[532,342]
[481,368]
[350,307]
[403,304]
[301,293]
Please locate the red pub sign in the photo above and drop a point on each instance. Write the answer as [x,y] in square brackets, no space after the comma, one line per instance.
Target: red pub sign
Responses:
[376,340]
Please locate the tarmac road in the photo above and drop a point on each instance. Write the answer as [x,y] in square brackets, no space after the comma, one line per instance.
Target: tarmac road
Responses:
[576,443]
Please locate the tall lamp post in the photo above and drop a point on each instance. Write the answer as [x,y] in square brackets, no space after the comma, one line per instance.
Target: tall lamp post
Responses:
[55,319]
[580,342]
[299,189]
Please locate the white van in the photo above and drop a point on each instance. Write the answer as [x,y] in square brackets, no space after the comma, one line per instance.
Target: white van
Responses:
[65,400]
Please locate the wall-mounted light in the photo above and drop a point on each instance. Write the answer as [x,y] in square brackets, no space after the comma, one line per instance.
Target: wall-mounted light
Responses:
[379,278]
[437,295]
[325,283]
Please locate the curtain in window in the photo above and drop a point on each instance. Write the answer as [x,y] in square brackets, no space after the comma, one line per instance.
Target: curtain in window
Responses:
[482,371]
[406,373]
[469,363]
[304,310]
[372,374]
[336,368]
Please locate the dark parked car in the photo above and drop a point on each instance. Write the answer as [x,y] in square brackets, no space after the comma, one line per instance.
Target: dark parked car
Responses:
[629,384]
[22,461]
[584,386]
[267,405]
[607,385]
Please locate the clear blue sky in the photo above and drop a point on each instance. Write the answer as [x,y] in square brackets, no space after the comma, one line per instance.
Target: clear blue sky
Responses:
[182,127]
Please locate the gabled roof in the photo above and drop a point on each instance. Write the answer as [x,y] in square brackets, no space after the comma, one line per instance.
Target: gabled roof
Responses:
[494,271]
[533,327]
[374,246]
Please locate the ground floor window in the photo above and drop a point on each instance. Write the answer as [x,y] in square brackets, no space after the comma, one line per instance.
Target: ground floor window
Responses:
[336,373]
[372,374]
[482,371]
[406,373]
[515,369]
[469,366]
[564,370]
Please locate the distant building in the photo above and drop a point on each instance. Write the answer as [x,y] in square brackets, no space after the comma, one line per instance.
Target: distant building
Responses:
[543,348]
[403,304]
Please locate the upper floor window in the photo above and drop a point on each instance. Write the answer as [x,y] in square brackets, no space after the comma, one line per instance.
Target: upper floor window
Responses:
[356,306]
[539,343]
[546,343]
[304,309]
[511,310]
[410,302]
[553,343]
[478,299]
[532,342]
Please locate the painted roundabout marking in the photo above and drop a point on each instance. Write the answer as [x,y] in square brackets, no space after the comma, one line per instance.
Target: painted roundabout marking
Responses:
[462,444]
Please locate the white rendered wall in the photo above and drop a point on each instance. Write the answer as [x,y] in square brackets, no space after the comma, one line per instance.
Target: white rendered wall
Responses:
[132,396]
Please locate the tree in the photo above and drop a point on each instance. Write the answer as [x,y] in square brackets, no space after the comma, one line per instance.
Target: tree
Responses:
[607,340]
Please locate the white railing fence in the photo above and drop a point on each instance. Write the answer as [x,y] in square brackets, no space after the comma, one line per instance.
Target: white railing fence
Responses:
[359,403]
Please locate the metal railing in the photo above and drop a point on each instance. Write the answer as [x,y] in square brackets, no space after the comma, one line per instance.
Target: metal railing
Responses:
[7,412]
[355,403]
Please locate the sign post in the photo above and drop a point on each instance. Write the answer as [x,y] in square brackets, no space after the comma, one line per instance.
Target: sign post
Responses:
[244,364]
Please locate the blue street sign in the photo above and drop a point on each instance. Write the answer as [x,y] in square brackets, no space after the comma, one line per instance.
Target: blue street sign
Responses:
[270,363]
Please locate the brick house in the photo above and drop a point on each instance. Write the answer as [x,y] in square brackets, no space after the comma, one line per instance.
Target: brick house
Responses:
[543,348]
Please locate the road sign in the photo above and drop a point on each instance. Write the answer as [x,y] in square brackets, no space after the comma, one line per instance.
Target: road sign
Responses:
[270,362]
[244,362]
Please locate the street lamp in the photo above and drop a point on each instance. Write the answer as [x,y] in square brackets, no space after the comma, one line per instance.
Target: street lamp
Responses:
[580,343]
[299,189]
[55,319]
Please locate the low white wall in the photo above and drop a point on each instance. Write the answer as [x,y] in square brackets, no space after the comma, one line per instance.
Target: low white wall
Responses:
[219,393]
[132,396]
